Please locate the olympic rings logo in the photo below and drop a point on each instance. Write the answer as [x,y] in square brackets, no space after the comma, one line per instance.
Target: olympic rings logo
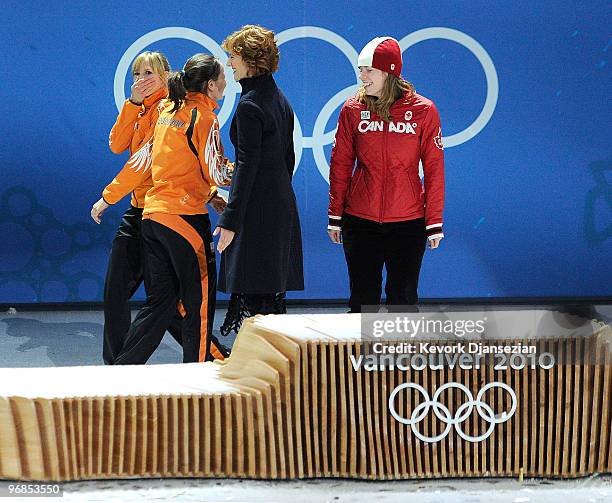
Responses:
[463,411]
[320,138]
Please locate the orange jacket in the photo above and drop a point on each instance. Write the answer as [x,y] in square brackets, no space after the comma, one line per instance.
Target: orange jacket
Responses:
[182,182]
[133,130]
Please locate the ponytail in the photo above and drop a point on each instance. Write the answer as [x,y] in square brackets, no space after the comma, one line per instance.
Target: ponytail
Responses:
[198,70]
[176,89]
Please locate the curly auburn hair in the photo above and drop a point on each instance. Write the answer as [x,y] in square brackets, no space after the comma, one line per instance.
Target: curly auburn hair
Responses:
[256,46]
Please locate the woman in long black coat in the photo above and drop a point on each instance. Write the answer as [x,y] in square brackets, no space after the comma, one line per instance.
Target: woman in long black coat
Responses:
[260,238]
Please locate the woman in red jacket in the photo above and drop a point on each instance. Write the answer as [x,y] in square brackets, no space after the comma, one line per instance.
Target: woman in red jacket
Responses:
[379,209]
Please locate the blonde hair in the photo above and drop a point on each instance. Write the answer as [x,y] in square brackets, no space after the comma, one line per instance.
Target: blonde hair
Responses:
[256,46]
[393,89]
[159,63]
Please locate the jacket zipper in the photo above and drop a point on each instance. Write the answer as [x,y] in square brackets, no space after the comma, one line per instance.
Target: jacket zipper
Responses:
[384,180]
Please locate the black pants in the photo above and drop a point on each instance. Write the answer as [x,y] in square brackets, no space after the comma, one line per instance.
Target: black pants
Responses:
[124,275]
[180,262]
[368,245]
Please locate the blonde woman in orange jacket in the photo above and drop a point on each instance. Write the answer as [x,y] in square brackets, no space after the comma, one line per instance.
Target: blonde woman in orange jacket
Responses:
[132,131]
[187,165]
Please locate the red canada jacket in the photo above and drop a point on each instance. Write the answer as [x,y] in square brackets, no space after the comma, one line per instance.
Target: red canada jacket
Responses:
[385,185]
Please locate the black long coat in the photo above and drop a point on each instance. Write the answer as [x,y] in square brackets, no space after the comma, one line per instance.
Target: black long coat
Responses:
[266,253]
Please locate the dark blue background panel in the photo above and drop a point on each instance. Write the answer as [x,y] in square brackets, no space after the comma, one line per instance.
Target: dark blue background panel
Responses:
[522,90]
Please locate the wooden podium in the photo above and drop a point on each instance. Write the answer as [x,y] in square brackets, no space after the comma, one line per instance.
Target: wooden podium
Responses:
[289,403]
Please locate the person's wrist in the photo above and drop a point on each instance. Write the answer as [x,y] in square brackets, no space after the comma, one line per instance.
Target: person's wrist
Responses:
[135,102]
[334,223]
[434,231]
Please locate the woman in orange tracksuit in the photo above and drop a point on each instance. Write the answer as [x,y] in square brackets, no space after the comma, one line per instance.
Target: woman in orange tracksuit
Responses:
[187,164]
[132,131]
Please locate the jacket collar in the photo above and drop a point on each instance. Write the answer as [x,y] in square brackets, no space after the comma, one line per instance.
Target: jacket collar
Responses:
[260,81]
[152,100]
[202,99]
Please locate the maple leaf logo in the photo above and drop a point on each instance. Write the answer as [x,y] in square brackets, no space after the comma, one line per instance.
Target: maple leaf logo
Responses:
[438,139]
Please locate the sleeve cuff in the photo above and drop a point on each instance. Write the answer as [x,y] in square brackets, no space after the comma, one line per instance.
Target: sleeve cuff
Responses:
[226,220]
[335,223]
[106,195]
[212,193]
[434,231]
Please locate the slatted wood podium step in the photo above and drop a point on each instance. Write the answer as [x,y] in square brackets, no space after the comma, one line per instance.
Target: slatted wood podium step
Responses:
[289,403]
